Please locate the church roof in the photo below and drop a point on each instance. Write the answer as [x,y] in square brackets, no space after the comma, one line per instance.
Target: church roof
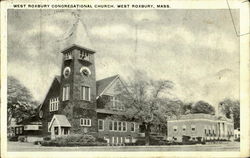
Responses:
[78,36]
[58,78]
[102,84]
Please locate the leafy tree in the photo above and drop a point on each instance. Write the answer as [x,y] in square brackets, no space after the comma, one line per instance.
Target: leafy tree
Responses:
[186,108]
[231,108]
[20,104]
[203,107]
[145,101]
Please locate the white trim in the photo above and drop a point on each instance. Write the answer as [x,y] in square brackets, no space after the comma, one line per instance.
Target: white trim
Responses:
[188,120]
[83,92]
[110,84]
[85,122]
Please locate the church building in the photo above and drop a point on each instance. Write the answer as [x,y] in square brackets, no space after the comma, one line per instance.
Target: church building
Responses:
[76,103]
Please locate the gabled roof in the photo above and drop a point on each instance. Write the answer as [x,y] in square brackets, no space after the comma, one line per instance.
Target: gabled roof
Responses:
[103,84]
[58,78]
[60,120]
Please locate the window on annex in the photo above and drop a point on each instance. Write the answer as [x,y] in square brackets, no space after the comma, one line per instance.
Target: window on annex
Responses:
[110,125]
[193,127]
[184,128]
[132,127]
[85,93]
[116,104]
[175,128]
[66,90]
[115,125]
[100,125]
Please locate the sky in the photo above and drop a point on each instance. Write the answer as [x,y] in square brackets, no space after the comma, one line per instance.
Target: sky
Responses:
[196,49]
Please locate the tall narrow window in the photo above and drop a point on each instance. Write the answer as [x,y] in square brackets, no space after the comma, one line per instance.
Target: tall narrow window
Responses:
[119,126]
[85,93]
[124,126]
[111,125]
[66,91]
[100,125]
[53,104]
[115,125]
[132,127]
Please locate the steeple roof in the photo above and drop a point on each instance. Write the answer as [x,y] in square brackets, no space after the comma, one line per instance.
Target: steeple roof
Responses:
[78,36]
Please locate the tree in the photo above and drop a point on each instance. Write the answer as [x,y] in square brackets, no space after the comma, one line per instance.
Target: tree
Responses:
[231,108]
[203,107]
[186,108]
[20,104]
[145,101]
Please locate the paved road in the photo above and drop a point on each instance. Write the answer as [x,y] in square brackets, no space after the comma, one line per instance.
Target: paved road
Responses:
[231,146]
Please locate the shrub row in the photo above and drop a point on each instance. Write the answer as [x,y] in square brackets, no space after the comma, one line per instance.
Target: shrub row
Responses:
[75,140]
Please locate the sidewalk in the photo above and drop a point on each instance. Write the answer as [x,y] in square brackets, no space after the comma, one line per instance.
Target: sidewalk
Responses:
[26,147]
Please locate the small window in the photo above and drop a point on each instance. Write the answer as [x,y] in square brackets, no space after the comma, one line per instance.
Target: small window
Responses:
[85,122]
[205,131]
[65,132]
[175,128]
[56,130]
[183,128]
[66,90]
[100,125]
[85,93]
[193,127]
[132,127]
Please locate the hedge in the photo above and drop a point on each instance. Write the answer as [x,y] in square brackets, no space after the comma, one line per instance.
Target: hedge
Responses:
[75,140]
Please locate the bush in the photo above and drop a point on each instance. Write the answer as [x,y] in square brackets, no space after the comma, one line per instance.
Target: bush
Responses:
[37,142]
[75,140]
[101,140]
[237,139]
[21,138]
[140,142]
[13,138]
[47,138]
[129,144]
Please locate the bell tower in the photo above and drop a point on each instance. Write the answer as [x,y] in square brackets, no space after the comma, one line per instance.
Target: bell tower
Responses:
[78,81]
